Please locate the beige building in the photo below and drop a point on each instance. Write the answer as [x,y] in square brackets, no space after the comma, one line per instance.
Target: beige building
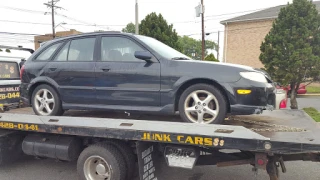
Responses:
[244,34]
[43,38]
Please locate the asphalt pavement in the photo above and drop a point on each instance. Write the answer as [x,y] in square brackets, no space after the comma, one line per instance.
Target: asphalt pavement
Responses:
[32,169]
[308,101]
[48,169]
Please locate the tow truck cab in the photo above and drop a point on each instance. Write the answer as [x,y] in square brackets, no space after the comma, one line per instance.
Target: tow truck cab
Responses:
[10,64]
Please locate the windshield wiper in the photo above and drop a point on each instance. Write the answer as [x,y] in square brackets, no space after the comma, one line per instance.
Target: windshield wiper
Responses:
[180,58]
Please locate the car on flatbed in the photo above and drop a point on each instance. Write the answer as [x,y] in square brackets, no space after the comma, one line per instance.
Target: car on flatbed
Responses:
[134,73]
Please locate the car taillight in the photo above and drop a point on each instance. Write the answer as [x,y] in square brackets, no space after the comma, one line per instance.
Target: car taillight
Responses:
[21,72]
[283,104]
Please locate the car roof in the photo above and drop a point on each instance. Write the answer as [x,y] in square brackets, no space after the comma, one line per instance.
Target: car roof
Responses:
[90,34]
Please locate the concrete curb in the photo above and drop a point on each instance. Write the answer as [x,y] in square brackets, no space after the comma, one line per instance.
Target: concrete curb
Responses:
[315,94]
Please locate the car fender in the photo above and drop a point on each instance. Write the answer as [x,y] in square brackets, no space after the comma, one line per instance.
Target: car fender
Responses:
[43,80]
[185,80]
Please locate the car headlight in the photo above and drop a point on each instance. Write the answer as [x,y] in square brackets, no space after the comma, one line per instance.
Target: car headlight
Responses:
[254,76]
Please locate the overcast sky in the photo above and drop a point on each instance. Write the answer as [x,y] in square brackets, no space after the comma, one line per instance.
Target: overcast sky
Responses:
[114,15]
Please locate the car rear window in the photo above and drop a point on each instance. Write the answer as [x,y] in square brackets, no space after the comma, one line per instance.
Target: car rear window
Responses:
[9,70]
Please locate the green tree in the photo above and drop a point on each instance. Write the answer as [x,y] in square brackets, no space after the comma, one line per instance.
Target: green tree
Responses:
[193,48]
[156,26]
[291,50]
[211,57]
[130,28]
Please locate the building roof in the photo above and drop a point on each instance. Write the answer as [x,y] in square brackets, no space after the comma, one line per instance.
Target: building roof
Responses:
[269,13]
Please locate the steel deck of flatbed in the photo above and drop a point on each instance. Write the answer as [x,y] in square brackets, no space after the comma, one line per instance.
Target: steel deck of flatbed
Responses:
[234,134]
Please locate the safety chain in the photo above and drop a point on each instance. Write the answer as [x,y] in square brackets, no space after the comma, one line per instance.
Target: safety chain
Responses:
[275,127]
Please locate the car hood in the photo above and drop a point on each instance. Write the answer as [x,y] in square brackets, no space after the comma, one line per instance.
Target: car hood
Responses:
[238,66]
[220,72]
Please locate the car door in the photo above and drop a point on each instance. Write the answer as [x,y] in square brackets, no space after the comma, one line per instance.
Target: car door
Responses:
[73,70]
[122,79]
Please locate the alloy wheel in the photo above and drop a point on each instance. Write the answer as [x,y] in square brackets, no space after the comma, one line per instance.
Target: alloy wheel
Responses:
[201,106]
[44,102]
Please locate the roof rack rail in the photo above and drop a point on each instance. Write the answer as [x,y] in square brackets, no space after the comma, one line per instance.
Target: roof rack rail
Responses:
[18,48]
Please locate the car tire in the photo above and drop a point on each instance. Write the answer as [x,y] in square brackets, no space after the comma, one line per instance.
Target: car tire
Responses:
[216,108]
[55,106]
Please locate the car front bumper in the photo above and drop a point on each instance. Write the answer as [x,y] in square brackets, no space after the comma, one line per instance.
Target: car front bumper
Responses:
[259,97]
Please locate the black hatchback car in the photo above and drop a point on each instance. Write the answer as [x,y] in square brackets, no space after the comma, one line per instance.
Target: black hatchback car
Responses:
[134,73]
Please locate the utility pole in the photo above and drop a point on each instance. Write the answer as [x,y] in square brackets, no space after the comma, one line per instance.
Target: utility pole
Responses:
[52,4]
[202,24]
[137,18]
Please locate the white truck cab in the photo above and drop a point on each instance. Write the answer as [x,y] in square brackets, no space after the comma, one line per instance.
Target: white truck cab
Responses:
[10,59]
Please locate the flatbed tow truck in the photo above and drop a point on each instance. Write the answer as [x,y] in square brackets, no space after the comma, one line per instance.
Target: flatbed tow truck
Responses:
[110,145]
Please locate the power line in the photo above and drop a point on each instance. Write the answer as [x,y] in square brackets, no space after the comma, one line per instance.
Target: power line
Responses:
[24,22]
[219,15]
[32,34]
[90,24]
[73,19]
[36,23]
[22,10]
[229,30]
[26,34]
[61,15]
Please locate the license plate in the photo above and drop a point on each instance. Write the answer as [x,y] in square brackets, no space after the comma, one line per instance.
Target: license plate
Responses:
[9,94]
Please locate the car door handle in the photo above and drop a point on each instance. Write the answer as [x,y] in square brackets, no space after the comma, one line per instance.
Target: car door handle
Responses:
[105,69]
[53,69]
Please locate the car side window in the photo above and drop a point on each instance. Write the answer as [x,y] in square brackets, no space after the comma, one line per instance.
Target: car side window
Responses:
[63,54]
[46,54]
[77,50]
[119,49]
[81,49]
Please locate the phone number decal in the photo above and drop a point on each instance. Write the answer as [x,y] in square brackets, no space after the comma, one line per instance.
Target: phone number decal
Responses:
[9,95]
[19,126]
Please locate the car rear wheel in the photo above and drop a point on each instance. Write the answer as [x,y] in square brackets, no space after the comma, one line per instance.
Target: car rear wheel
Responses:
[204,104]
[46,102]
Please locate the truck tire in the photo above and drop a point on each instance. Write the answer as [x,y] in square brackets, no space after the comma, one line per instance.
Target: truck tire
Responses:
[128,155]
[100,161]
[192,104]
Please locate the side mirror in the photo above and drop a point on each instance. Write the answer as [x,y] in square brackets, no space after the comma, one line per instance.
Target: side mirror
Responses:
[144,55]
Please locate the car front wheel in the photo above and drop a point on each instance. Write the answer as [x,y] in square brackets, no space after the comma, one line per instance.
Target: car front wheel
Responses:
[202,103]
[46,102]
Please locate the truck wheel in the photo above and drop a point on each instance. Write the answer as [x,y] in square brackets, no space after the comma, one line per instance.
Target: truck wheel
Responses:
[46,102]
[203,103]
[101,161]
[127,154]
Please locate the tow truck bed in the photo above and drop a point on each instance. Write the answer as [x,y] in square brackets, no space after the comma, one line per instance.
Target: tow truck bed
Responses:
[287,127]
[285,134]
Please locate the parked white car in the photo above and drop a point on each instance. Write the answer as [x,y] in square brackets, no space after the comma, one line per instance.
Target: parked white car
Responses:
[281,99]
[281,95]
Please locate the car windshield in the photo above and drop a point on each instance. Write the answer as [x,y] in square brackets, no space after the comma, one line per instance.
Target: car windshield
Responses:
[163,49]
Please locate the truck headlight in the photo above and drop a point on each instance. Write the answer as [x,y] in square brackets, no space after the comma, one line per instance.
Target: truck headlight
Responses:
[254,76]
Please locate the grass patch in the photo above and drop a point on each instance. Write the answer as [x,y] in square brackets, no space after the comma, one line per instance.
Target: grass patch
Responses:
[315,114]
[313,89]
